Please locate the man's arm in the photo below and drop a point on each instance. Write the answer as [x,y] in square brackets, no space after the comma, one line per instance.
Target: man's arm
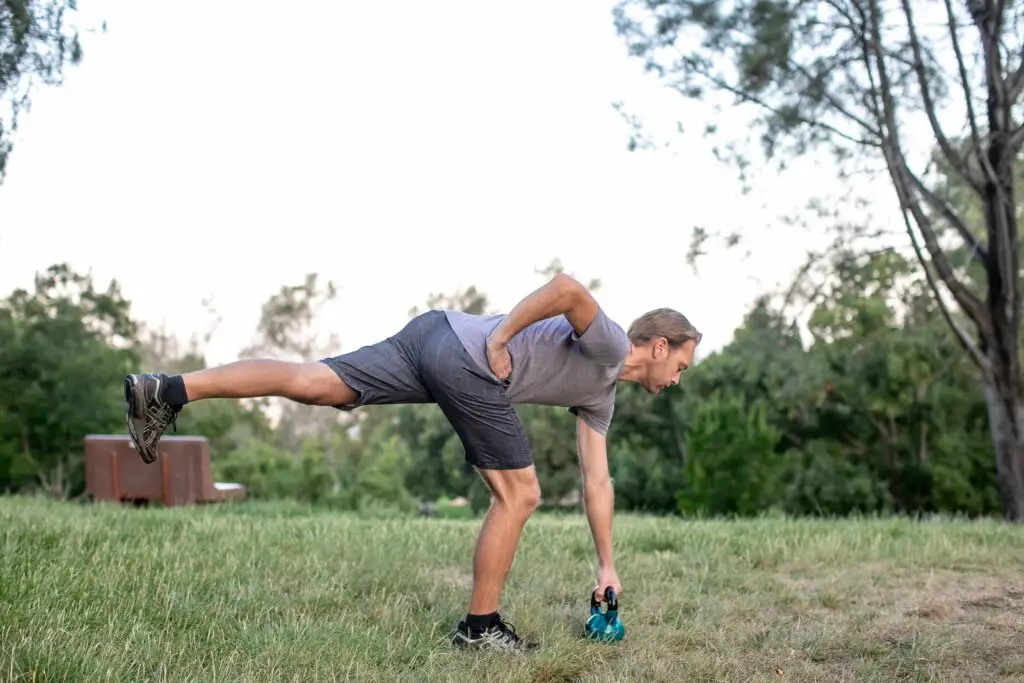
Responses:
[562,295]
[598,499]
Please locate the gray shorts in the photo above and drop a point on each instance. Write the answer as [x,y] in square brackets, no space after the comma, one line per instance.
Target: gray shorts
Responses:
[426,363]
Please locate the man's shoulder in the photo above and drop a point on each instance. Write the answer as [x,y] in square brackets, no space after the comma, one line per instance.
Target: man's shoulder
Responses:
[604,341]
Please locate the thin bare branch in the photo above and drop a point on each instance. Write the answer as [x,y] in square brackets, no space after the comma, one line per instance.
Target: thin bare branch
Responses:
[1001,223]
[950,215]
[897,164]
[872,95]
[969,344]
[812,259]
[970,303]
[745,96]
[965,82]
[956,161]
[1016,140]
[835,104]
[1015,84]
[829,97]
[841,11]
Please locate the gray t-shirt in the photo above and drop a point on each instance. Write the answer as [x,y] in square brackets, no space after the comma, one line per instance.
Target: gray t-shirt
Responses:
[552,365]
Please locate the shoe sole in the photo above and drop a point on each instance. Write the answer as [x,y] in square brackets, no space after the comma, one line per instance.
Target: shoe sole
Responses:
[461,643]
[135,417]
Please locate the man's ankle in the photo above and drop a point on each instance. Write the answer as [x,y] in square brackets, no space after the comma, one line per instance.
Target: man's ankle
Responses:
[481,622]
[174,392]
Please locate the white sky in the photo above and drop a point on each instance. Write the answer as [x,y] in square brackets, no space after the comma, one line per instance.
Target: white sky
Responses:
[222,149]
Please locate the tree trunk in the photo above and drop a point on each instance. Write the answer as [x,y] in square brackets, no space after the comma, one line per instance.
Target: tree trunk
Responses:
[1005,404]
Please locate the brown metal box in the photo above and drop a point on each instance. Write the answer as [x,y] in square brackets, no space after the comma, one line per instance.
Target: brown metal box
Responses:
[180,475]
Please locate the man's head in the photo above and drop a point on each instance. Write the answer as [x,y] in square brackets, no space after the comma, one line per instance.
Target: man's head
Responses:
[663,343]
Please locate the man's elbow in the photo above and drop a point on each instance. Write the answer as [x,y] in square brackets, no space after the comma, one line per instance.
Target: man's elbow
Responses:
[576,302]
[597,485]
[570,291]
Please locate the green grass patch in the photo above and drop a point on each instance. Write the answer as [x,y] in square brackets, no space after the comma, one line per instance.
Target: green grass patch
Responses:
[276,592]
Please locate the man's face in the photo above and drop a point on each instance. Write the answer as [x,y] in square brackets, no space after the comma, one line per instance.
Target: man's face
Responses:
[665,364]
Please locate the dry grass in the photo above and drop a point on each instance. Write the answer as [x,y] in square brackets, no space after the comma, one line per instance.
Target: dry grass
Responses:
[281,593]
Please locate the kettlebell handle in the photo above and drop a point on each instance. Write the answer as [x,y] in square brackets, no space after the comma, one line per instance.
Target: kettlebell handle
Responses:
[611,600]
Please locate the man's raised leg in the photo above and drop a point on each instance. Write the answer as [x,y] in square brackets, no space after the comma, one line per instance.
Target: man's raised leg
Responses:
[155,399]
[312,383]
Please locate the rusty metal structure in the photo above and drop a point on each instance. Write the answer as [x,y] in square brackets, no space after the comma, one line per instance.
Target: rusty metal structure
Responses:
[181,474]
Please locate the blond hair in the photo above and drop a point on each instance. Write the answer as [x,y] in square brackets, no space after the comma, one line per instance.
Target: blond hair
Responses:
[663,322]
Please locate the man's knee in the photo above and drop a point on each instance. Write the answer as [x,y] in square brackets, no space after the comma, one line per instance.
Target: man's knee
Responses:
[518,490]
[528,498]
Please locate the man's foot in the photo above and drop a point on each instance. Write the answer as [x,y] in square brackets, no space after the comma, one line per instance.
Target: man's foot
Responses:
[499,636]
[147,412]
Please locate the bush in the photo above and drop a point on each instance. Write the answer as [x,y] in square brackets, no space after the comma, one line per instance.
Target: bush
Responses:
[819,481]
[270,473]
[732,467]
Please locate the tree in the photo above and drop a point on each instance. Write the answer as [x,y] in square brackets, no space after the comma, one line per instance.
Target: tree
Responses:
[65,347]
[290,328]
[35,45]
[848,75]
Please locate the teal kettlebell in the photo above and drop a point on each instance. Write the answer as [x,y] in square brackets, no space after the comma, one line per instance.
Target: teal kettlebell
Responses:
[605,626]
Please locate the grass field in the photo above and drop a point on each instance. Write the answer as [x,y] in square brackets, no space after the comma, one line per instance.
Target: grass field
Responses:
[281,593]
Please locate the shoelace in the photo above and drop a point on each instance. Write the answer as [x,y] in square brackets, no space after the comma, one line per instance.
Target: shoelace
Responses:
[163,416]
[508,629]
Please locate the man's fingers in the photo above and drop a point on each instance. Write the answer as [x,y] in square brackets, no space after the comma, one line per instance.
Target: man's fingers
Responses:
[599,591]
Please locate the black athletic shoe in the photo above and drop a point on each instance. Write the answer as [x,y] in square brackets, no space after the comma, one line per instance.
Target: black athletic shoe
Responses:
[147,413]
[501,636]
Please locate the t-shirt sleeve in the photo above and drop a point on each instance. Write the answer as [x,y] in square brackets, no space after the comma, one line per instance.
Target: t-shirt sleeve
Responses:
[598,417]
[604,341]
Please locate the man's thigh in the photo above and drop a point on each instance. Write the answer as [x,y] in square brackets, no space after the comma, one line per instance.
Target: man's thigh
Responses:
[491,433]
[387,372]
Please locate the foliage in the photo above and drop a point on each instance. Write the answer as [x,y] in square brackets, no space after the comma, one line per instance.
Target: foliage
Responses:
[36,43]
[64,348]
[867,406]
[858,78]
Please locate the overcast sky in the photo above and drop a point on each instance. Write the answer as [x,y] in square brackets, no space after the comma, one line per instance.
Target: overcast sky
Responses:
[222,149]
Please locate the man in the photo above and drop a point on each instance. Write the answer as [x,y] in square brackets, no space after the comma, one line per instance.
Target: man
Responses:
[555,347]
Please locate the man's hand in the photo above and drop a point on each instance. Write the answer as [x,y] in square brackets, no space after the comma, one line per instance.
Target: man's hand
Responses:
[607,577]
[499,359]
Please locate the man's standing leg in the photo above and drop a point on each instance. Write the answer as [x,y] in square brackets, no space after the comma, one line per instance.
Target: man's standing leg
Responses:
[515,494]
[496,445]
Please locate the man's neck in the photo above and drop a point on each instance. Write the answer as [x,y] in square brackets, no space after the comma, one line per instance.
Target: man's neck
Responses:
[632,368]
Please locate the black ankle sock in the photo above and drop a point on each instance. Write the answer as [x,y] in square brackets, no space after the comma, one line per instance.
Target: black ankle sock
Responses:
[174,392]
[479,622]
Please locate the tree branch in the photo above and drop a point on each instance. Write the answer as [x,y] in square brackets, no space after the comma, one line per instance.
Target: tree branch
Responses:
[955,160]
[950,215]
[969,344]
[897,164]
[875,104]
[1016,140]
[835,103]
[1003,272]
[971,305]
[719,83]
[965,82]
[1015,84]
